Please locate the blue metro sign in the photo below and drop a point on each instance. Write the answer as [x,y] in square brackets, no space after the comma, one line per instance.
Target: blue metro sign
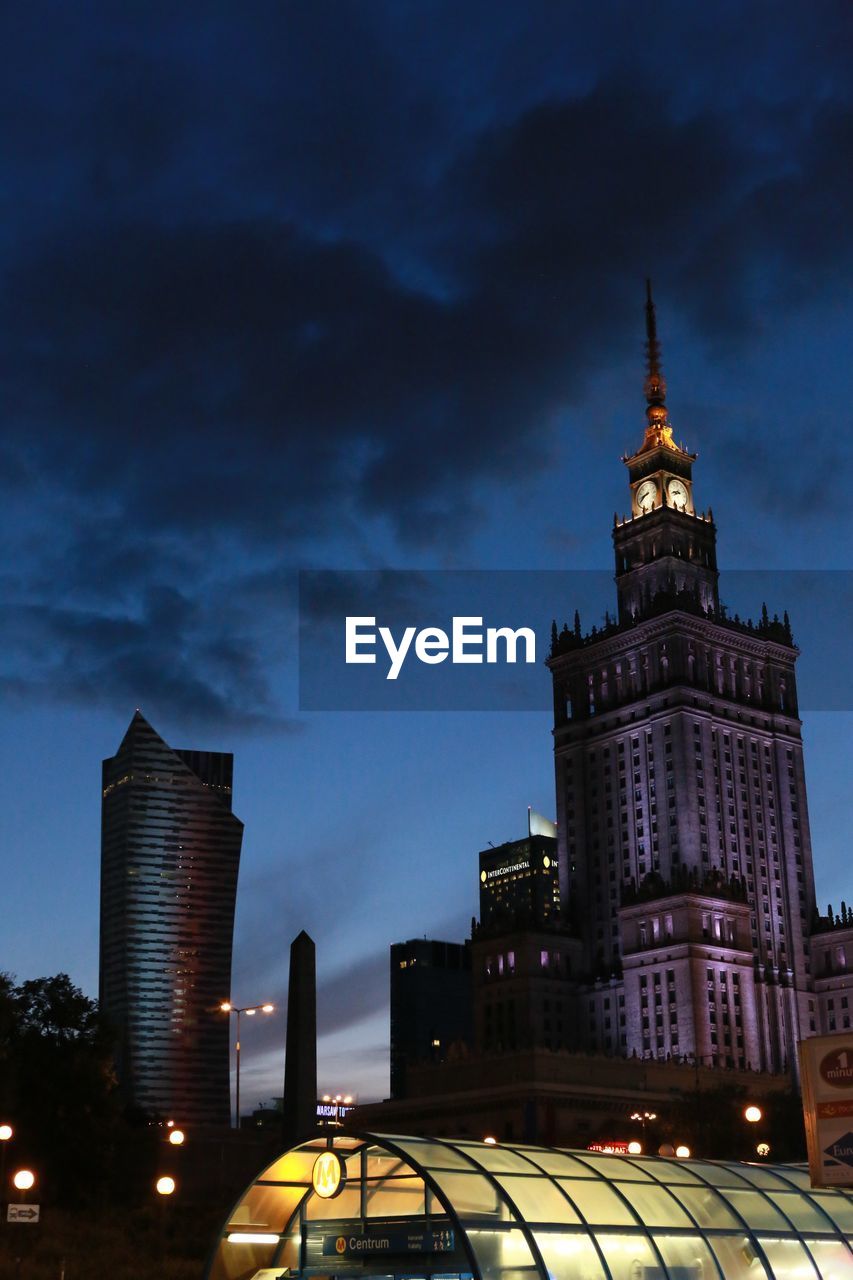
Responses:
[841,1150]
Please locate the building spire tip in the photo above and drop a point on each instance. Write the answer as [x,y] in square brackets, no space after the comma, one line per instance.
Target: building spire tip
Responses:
[655,386]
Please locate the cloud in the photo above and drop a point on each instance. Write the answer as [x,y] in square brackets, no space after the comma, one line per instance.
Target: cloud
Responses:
[166,657]
[353,993]
[343,305]
[248,376]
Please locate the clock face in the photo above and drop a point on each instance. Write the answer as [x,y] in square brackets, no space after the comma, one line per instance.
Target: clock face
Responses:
[646,495]
[677,495]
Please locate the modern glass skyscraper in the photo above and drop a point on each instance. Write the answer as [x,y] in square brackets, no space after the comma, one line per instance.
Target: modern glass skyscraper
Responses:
[170,853]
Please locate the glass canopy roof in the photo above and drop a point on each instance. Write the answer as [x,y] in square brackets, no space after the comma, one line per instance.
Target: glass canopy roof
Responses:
[420,1208]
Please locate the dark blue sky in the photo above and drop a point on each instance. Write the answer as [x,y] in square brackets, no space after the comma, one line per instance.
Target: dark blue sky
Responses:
[360,286]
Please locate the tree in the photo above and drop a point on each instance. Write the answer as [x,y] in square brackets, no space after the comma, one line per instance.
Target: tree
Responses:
[57,1082]
[57,1011]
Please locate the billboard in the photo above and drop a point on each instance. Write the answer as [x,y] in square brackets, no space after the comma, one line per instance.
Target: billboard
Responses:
[539,826]
[826,1064]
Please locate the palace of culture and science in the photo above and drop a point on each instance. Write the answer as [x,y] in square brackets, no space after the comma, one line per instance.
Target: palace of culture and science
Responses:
[681,798]
[669,916]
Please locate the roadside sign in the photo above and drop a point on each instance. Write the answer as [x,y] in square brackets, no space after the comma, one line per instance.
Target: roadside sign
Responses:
[23,1212]
[826,1064]
[403,1239]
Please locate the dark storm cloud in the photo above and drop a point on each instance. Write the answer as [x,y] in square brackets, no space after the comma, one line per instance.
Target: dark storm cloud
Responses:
[168,657]
[328,596]
[267,286]
[248,377]
[347,995]
[353,992]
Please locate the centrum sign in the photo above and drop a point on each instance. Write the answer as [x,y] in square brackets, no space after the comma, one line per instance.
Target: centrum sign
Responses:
[389,1241]
[826,1066]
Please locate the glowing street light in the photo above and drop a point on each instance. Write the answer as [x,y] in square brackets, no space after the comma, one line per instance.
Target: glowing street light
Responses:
[6,1133]
[250,1010]
[643,1118]
[635,1148]
[682,1152]
[164,1186]
[176,1137]
[753,1114]
[24,1179]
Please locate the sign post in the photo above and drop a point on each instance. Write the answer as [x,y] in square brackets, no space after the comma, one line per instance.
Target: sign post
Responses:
[23,1213]
[826,1065]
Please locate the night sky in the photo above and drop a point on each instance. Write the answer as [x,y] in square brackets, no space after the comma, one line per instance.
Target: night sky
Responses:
[360,286]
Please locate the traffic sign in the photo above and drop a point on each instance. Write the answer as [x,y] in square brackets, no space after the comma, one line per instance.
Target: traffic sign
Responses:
[23,1212]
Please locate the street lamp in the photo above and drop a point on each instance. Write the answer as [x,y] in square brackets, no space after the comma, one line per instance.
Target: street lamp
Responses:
[6,1132]
[250,1010]
[643,1118]
[176,1137]
[164,1186]
[24,1179]
[753,1114]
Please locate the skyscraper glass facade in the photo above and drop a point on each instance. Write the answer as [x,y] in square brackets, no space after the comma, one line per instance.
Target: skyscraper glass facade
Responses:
[170,853]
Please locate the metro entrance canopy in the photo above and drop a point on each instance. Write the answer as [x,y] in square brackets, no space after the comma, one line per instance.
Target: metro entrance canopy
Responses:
[437,1209]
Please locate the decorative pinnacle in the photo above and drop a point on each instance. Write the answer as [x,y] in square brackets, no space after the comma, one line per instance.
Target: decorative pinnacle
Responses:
[655,384]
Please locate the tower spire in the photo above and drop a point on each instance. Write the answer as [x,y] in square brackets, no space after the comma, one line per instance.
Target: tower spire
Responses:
[658,430]
[655,384]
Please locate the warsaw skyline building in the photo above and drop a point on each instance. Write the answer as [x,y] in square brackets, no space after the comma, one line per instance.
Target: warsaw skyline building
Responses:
[682,927]
[681,799]
[170,854]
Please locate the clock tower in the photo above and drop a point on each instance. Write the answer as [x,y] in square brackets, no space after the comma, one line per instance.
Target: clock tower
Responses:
[683,840]
[664,547]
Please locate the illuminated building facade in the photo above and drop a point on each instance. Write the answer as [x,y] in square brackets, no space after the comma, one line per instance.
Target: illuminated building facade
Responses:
[831,1009]
[686,940]
[683,821]
[524,962]
[170,852]
[454,1208]
[520,882]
